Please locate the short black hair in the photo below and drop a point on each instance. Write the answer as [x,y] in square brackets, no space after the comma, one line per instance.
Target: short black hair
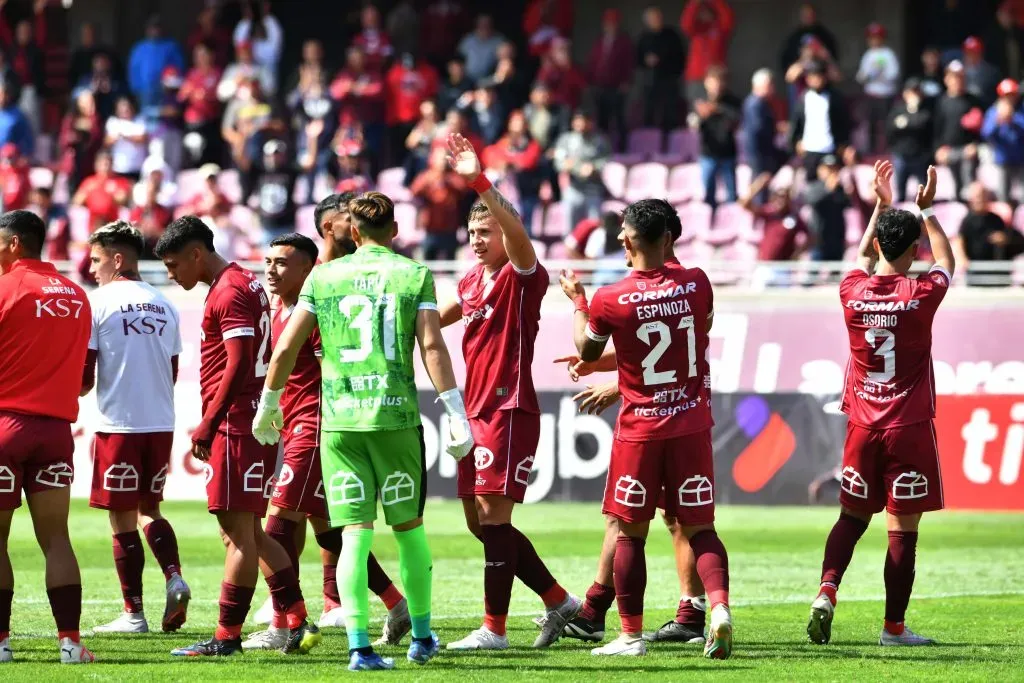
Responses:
[119,234]
[300,243]
[29,228]
[332,202]
[181,232]
[647,219]
[675,226]
[896,231]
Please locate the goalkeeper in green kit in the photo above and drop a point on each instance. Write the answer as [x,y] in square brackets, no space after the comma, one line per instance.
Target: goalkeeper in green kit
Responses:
[371,307]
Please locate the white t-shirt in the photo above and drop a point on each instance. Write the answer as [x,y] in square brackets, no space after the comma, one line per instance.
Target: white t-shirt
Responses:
[135,330]
[127,156]
[879,72]
[817,124]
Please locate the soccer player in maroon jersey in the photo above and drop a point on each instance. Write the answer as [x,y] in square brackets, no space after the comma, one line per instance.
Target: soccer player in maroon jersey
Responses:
[298,490]
[235,354]
[499,304]
[891,459]
[44,331]
[659,317]
[688,624]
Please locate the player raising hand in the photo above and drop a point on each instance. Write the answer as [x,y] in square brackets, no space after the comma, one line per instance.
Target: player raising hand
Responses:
[499,302]
[891,459]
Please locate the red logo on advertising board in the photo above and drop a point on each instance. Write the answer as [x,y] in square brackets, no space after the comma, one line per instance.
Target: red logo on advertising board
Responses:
[981,441]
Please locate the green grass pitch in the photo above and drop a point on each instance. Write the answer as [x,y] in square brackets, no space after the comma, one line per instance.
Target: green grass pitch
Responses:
[968,596]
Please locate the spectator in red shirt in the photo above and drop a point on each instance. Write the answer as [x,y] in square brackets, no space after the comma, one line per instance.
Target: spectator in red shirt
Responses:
[14,180]
[360,96]
[545,20]
[610,72]
[409,83]
[593,238]
[441,191]
[202,108]
[207,32]
[103,193]
[708,24]
[81,137]
[373,41]
[557,71]
[444,23]
[150,217]
[517,156]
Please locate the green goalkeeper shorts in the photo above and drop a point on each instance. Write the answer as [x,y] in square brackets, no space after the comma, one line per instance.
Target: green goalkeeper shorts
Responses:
[359,466]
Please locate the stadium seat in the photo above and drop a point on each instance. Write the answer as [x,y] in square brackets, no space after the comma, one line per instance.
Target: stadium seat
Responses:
[304,221]
[558,252]
[391,181]
[988,174]
[646,180]
[696,220]
[683,146]
[855,225]
[684,184]
[725,226]
[645,142]
[555,220]
[864,178]
[540,249]
[189,184]
[614,176]
[407,219]
[537,221]
[1003,210]
[244,218]
[78,219]
[613,205]
[41,177]
[950,216]
[627,159]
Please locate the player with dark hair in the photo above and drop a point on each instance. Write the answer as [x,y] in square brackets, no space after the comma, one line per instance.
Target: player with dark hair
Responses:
[298,491]
[688,624]
[235,354]
[891,459]
[135,344]
[44,332]
[499,303]
[659,316]
[332,222]
[372,308]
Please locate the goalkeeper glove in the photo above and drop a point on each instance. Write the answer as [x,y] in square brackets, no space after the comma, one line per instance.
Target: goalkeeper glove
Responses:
[460,438]
[266,426]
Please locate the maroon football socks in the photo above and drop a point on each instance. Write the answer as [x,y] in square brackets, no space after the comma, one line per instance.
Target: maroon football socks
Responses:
[712,566]
[500,555]
[66,605]
[597,603]
[283,531]
[6,598]
[286,596]
[899,577]
[164,544]
[630,567]
[839,551]
[129,559]
[234,606]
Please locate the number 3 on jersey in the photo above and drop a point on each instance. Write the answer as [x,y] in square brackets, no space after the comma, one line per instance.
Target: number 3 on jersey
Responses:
[887,350]
[644,333]
[359,308]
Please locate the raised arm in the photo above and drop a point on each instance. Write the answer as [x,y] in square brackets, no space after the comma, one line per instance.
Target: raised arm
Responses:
[464,161]
[941,249]
[882,184]
[589,348]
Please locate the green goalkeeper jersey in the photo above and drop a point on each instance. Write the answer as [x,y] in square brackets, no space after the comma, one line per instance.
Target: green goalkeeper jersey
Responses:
[366,306]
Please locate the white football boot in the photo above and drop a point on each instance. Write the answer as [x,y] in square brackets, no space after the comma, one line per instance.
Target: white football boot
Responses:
[906,639]
[74,653]
[623,646]
[176,608]
[271,639]
[332,618]
[396,624]
[556,619]
[819,626]
[6,653]
[127,622]
[480,639]
[265,614]
[719,640]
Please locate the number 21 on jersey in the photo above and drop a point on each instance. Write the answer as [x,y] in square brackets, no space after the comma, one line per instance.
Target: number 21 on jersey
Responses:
[658,335]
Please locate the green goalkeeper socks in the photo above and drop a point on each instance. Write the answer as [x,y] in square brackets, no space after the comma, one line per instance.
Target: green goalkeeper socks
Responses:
[416,568]
[352,585]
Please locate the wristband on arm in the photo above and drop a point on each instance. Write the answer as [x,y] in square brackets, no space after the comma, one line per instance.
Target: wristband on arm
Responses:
[927,213]
[452,400]
[580,302]
[480,184]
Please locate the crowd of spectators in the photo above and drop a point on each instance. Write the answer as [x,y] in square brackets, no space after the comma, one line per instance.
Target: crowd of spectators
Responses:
[215,125]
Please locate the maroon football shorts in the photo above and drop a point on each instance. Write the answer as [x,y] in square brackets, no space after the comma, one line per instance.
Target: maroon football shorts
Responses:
[501,460]
[299,486]
[36,454]
[683,465]
[239,473]
[129,470]
[895,469]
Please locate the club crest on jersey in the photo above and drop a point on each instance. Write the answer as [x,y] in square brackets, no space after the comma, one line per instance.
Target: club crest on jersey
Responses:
[345,488]
[207,472]
[696,491]
[398,488]
[121,477]
[252,480]
[523,469]
[910,486]
[482,457]
[630,492]
[853,483]
[58,475]
[6,479]
[286,476]
[156,485]
[641,285]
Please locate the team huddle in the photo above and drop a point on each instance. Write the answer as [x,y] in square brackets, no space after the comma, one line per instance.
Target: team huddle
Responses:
[310,412]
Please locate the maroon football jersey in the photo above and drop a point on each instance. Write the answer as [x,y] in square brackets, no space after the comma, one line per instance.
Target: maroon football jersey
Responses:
[889,377]
[300,400]
[236,307]
[501,314]
[658,321]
